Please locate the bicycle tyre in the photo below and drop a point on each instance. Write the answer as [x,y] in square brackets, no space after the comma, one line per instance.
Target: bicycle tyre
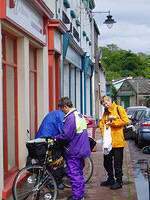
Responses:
[33,182]
[87,172]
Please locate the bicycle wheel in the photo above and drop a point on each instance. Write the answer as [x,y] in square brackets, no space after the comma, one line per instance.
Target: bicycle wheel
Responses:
[34,183]
[87,172]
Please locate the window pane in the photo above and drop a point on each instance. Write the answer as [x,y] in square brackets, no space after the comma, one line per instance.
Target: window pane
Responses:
[32,57]
[10,50]
[54,86]
[73,85]
[78,90]
[10,117]
[66,80]
[2,38]
[87,95]
[32,104]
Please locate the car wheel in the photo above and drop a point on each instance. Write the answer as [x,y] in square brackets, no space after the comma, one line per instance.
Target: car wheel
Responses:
[133,135]
[139,142]
[136,139]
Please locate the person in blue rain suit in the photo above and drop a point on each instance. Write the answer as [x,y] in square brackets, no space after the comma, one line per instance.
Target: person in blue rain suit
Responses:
[52,126]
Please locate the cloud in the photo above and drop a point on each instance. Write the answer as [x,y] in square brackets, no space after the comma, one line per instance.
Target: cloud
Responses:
[132,30]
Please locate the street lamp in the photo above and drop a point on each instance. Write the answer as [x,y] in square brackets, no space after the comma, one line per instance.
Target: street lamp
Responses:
[109,21]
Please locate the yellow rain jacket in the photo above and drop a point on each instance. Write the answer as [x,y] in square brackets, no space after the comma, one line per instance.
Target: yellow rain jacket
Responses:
[116,125]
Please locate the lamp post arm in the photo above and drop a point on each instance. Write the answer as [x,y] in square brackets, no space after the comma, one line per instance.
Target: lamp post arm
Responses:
[102,12]
[109,21]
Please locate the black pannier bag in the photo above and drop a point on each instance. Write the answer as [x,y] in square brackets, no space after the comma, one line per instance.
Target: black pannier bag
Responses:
[127,132]
[92,143]
[37,148]
[58,150]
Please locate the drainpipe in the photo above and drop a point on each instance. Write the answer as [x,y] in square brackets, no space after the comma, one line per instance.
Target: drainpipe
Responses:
[75,75]
[81,92]
[70,80]
[56,2]
[91,91]
[84,92]
[91,102]
[86,65]
[81,23]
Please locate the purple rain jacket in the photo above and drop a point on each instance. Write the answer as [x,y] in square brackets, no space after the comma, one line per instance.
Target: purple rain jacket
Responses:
[75,135]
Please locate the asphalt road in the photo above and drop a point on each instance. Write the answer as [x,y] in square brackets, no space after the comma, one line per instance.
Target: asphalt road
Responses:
[139,162]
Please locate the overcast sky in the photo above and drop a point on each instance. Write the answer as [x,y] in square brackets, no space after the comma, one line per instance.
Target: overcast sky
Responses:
[132,30]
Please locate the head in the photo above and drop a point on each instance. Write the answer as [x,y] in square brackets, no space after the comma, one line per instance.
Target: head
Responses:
[65,104]
[106,101]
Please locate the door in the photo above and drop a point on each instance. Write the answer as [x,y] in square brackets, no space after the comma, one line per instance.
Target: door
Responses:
[125,101]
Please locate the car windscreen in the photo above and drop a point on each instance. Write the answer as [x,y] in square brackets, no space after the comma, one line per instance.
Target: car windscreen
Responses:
[147,114]
[130,111]
[139,114]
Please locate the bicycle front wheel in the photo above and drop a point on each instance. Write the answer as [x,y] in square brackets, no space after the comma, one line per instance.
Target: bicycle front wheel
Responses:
[34,183]
[87,172]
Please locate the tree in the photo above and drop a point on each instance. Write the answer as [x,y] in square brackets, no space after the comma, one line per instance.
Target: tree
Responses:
[121,63]
[114,93]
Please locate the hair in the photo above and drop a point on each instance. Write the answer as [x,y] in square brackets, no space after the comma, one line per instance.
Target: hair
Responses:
[105,98]
[65,101]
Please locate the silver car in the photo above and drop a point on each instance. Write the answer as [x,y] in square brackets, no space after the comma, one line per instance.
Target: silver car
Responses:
[143,128]
[130,110]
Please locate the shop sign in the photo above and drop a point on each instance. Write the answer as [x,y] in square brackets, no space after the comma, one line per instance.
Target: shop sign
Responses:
[57,41]
[27,17]
[73,57]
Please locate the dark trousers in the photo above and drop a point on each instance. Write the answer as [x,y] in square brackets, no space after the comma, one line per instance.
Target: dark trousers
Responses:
[114,160]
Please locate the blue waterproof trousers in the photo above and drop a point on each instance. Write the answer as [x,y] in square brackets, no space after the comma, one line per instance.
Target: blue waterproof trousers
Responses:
[75,174]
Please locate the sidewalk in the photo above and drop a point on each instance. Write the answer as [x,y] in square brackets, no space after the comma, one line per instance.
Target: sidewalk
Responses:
[93,189]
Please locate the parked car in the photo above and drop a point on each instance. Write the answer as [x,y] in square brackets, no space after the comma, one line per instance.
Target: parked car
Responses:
[135,118]
[130,110]
[143,128]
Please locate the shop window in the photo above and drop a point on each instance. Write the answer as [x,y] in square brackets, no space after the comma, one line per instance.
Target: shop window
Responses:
[33,91]
[78,90]
[54,84]
[76,34]
[66,80]
[72,80]
[10,130]
[11,117]
[88,92]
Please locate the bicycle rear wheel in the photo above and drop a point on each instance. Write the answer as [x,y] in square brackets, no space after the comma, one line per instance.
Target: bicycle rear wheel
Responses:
[34,183]
[87,172]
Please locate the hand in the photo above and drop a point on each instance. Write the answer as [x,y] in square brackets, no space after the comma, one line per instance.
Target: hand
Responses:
[108,122]
[111,117]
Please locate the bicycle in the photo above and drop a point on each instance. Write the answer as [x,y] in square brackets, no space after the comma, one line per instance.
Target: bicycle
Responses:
[37,181]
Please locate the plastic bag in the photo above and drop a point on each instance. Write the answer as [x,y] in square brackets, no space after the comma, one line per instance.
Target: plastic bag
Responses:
[107,140]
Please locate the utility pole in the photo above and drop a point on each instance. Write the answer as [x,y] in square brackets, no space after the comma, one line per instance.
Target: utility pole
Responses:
[137,93]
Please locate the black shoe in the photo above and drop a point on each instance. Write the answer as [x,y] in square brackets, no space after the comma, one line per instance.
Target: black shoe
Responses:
[71,198]
[108,182]
[116,186]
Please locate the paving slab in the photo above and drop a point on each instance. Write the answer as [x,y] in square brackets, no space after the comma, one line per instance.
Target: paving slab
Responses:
[93,189]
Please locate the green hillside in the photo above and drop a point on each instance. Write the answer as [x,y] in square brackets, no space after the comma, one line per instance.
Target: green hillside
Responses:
[121,63]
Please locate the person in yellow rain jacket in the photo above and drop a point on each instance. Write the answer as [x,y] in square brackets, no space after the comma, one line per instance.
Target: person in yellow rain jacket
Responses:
[116,117]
